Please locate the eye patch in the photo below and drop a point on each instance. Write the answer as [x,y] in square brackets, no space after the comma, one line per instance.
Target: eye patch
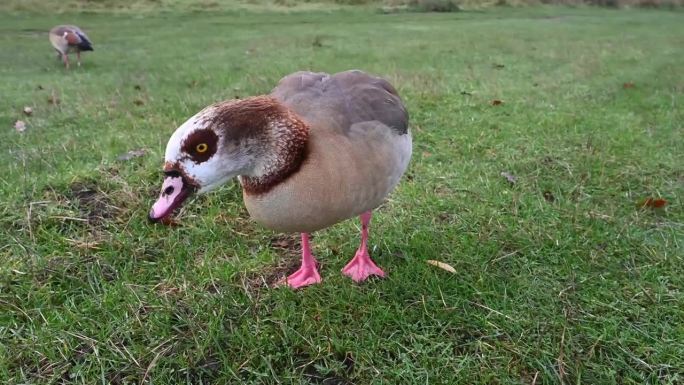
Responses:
[200,145]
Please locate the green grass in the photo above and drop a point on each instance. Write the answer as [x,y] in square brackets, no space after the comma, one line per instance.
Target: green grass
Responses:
[560,278]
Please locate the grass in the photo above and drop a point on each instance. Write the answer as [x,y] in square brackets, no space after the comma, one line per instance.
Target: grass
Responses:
[561,278]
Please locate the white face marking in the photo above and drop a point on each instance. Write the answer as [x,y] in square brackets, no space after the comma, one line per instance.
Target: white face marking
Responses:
[229,160]
[173,148]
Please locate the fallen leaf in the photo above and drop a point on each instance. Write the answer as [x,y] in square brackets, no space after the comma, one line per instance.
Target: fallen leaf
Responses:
[654,203]
[20,126]
[138,102]
[426,154]
[137,87]
[628,85]
[499,66]
[54,100]
[132,154]
[509,177]
[441,265]
[548,196]
[28,110]
[496,102]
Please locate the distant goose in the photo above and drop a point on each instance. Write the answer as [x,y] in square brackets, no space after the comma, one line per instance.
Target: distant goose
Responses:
[316,151]
[69,38]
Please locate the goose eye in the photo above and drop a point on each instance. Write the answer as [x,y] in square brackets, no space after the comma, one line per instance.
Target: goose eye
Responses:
[201,148]
[200,145]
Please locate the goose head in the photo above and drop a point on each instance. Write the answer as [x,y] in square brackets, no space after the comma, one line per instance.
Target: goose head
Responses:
[256,138]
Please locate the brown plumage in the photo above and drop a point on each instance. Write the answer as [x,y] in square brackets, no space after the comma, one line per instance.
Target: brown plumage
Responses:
[69,38]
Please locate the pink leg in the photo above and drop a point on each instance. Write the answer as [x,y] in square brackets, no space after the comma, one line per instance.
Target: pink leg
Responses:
[78,56]
[307,273]
[362,266]
[65,58]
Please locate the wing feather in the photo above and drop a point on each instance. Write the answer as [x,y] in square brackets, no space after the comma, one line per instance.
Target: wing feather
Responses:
[343,99]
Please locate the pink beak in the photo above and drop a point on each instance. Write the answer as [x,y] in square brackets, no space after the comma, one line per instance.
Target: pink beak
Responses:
[173,193]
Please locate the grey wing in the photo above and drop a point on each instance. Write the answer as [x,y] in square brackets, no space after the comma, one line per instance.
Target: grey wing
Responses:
[300,86]
[343,99]
[81,34]
[369,98]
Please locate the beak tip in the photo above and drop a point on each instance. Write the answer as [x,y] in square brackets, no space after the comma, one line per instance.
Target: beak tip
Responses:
[151,218]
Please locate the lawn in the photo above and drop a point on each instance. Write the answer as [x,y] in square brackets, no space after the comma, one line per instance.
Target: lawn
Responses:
[561,277]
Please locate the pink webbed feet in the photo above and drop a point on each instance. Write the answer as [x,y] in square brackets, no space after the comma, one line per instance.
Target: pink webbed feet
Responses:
[307,273]
[359,268]
[362,266]
[305,276]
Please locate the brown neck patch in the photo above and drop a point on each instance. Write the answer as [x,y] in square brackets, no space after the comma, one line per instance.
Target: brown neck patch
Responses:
[283,134]
[263,184]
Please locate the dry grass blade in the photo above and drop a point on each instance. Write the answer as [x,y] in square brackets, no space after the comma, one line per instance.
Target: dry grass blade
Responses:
[84,245]
[132,154]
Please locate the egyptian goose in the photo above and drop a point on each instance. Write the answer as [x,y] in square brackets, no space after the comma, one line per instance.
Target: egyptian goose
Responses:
[69,38]
[317,150]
